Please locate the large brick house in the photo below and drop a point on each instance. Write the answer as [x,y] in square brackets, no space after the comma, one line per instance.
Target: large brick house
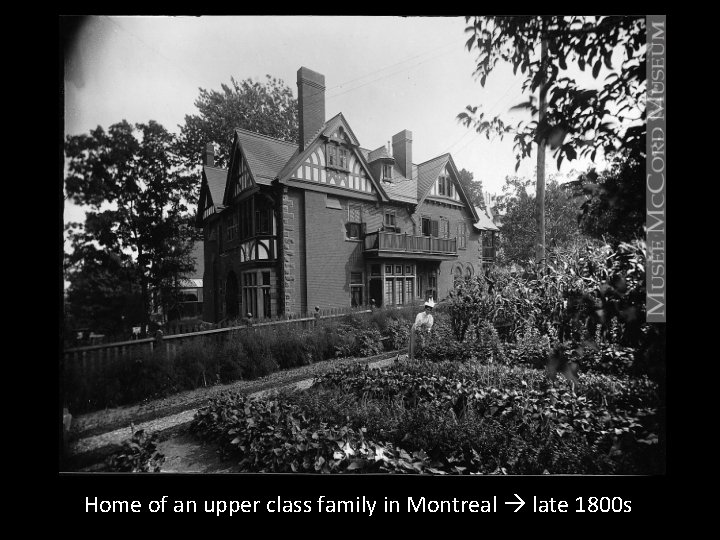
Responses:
[324,221]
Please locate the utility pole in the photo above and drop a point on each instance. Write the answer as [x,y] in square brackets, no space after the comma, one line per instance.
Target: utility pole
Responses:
[542,142]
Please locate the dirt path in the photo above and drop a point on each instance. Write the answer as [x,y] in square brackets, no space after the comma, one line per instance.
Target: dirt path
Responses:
[98,434]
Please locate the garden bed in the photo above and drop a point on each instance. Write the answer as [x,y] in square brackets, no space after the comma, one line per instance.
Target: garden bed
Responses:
[442,418]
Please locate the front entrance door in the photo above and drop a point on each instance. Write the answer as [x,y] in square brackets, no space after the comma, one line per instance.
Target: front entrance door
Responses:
[376,291]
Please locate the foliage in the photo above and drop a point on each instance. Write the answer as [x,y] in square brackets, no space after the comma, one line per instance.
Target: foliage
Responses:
[519,227]
[103,295]
[614,199]
[138,454]
[577,121]
[441,418]
[473,188]
[138,204]
[268,108]
[244,354]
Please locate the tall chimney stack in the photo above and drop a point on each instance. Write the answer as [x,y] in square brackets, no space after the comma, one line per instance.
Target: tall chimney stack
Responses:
[402,152]
[311,104]
[209,155]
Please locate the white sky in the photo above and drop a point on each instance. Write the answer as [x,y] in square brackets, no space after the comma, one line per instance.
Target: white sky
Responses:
[385,74]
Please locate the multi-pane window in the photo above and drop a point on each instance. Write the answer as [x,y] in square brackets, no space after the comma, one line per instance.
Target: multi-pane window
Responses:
[386,171]
[332,158]
[354,225]
[444,228]
[356,289]
[390,220]
[441,185]
[343,158]
[445,186]
[399,285]
[263,221]
[462,235]
[430,227]
[249,294]
[232,226]
[267,306]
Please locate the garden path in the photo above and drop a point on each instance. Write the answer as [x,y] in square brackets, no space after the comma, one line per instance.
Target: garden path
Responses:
[96,435]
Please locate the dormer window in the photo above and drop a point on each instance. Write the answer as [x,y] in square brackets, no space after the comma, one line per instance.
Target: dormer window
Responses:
[386,171]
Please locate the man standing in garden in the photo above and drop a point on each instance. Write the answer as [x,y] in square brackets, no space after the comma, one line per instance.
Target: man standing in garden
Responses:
[421,328]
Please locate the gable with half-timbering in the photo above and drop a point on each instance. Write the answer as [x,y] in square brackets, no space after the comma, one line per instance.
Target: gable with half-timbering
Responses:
[334,161]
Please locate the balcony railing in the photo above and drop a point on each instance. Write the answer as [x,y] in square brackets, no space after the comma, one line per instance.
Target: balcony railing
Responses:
[387,241]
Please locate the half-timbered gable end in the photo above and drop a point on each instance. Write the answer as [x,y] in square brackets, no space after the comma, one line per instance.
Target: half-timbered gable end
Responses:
[333,159]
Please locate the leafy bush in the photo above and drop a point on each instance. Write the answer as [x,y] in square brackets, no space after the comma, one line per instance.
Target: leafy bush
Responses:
[398,332]
[138,454]
[442,417]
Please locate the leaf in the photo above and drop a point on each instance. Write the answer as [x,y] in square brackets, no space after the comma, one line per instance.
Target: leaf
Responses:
[521,106]
[235,440]
[596,68]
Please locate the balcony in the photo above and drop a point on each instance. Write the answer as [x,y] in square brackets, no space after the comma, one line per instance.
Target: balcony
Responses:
[384,244]
[488,253]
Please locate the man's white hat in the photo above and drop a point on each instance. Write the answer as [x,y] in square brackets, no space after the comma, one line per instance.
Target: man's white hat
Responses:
[430,303]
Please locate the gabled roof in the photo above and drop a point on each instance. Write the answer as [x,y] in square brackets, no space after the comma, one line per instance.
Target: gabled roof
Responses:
[216,178]
[428,172]
[265,155]
[378,153]
[298,157]
[331,125]
[485,223]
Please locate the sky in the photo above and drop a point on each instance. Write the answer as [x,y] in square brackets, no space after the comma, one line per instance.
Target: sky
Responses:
[385,74]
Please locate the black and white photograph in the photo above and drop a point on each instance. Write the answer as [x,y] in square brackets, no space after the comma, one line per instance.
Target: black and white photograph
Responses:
[364,245]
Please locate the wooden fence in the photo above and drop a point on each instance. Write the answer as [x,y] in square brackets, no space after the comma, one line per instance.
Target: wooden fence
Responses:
[93,358]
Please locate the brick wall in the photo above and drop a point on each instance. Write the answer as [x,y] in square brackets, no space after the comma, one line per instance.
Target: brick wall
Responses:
[329,256]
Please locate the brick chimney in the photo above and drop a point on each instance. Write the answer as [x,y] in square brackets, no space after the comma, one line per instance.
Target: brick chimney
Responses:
[209,155]
[311,104]
[402,152]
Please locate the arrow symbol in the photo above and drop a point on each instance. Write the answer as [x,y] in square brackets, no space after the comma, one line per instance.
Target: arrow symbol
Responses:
[519,502]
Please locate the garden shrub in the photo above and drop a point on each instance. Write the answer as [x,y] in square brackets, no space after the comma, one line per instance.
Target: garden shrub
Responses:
[443,417]
[138,454]
[398,333]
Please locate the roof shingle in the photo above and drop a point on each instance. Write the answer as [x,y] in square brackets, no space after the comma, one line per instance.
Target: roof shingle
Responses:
[216,178]
[428,173]
[266,156]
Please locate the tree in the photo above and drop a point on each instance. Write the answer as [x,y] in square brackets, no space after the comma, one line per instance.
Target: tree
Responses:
[103,293]
[572,120]
[473,188]
[518,231]
[268,108]
[138,195]
[578,121]
[614,199]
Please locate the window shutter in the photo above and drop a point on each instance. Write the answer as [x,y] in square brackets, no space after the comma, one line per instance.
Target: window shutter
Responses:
[434,228]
